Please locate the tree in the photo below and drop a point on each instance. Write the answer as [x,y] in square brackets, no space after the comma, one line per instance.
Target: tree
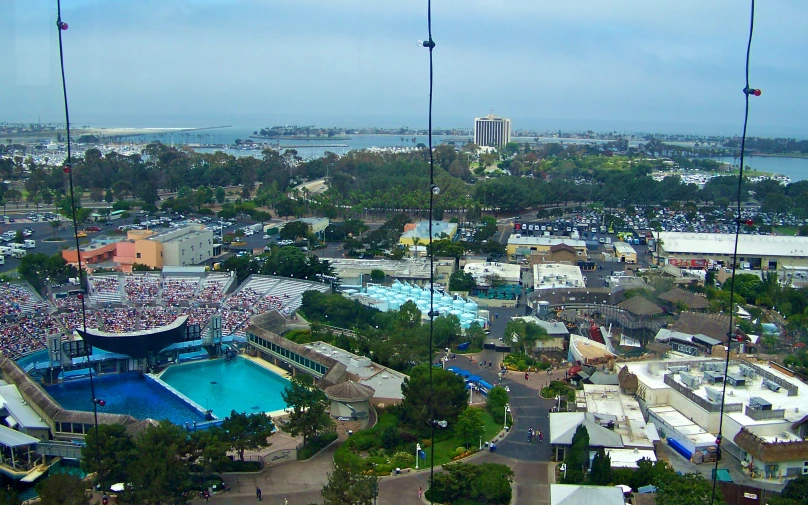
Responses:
[246,432]
[377,275]
[55,224]
[308,404]
[470,426]
[447,330]
[475,335]
[601,473]
[347,485]
[461,281]
[577,457]
[220,195]
[156,470]
[62,489]
[294,230]
[797,490]
[9,496]
[687,489]
[422,404]
[488,483]
[116,449]
[496,401]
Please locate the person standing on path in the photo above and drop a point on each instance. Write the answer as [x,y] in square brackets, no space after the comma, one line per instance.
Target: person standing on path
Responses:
[258,493]
[420,492]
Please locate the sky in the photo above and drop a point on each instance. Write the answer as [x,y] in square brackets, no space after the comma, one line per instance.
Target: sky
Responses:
[673,66]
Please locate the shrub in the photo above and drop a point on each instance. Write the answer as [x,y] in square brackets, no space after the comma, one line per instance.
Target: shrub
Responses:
[390,437]
[403,459]
[460,451]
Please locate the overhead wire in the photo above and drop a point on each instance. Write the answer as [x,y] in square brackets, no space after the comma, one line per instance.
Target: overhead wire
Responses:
[68,170]
[433,191]
[731,333]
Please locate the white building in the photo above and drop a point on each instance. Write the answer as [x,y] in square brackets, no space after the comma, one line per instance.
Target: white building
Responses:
[190,245]
[484,272]
[556,275]
[492,131]
[764,423]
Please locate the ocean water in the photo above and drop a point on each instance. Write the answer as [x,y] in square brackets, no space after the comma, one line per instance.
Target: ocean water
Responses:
[794,168]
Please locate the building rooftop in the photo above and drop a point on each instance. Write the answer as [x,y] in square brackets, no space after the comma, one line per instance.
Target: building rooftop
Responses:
[683,425]
[630,423]
[404,269]
[628,458]
[552,328]
[385,382]
[421,230]
[584,349]
[723,244]
[556,275]
[519,239]
[179,233]
[787,404]
[483,271]
[623,248]
[573,494]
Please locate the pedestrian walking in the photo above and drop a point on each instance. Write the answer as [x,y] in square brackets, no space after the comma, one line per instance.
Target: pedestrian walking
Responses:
[420,492]
[258,493]
[540,437]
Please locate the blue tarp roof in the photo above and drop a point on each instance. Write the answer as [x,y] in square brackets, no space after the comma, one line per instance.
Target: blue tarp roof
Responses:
[484,384]
[646,489]
[474,378]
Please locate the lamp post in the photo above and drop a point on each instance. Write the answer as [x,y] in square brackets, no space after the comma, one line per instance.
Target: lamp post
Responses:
[417,454]
[507,409]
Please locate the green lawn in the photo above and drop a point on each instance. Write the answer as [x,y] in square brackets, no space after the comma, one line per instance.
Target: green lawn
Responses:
[785,230]
[445,449]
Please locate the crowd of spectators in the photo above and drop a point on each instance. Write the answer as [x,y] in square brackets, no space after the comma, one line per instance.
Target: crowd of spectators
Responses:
[118,320]
[142,288]
[179,289]
[105,284]
[26,323]
[14,300]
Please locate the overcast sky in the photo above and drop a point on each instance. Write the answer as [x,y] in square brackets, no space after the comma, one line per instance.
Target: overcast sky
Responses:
[616,64]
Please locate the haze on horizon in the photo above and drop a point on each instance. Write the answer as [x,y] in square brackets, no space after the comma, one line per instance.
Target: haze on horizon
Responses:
[625,65]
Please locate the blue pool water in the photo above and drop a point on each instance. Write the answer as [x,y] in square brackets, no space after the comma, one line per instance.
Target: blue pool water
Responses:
[34,357]
[223,386]
[128,393]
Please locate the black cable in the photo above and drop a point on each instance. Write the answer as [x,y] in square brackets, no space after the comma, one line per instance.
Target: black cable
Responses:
[68,169]
[433,190]
[730,332]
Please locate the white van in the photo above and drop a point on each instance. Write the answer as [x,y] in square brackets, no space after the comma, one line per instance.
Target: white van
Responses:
[29,244]
[17,253]
[5,250]
[2,260]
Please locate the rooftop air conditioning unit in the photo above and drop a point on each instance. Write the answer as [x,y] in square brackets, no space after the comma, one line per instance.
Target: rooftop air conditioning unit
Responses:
[690,381]
[713,395]
[773,386]
[679,368]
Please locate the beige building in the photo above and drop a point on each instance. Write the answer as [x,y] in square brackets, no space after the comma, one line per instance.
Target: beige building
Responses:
[624,253]
[521,245]
[755,252]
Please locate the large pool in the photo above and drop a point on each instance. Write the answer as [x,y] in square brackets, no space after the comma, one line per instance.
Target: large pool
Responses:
[128,393]
[224,386]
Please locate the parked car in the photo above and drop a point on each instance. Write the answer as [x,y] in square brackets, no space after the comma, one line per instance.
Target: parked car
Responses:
[93,228]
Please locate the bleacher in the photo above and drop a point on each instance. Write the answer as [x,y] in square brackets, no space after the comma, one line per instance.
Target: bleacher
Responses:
[18,299]
[142,288]
[291,293]
[214,285]
[104,289]
[178,289]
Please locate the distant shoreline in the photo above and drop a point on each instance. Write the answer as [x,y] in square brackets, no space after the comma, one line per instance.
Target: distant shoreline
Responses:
[342,137]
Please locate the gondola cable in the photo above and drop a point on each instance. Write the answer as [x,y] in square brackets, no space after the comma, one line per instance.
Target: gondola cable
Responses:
[731,334]
[68,170]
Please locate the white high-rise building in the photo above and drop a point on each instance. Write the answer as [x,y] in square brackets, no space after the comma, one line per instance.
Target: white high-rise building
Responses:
[492,131]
